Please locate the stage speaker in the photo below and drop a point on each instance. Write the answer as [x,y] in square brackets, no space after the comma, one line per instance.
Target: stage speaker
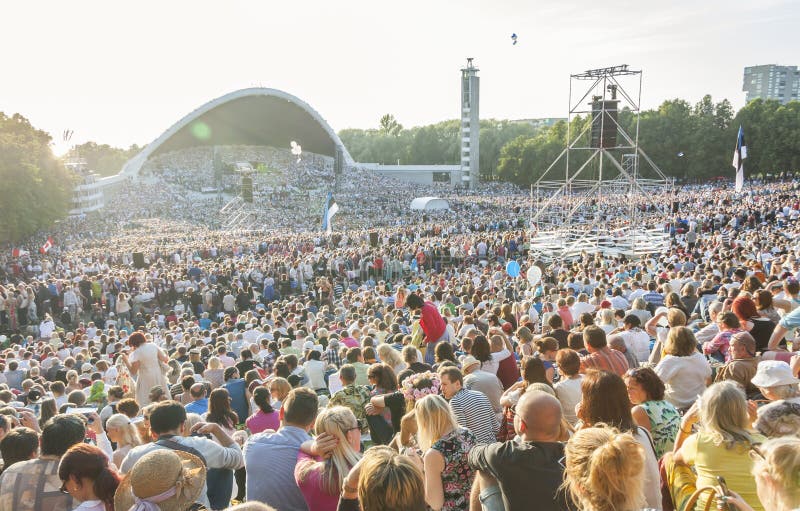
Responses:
[338,161]
[676,206]
[218,166]
[247,189]
[604,126]
[373,239]
[138,260]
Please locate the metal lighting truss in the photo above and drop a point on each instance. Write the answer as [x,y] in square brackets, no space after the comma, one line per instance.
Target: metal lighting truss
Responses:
[607,200]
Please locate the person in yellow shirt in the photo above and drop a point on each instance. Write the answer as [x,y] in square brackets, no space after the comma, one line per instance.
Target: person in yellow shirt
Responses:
[720,447]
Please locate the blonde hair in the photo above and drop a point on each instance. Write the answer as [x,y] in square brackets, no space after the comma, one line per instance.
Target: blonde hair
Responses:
[214,363]
[680,342]
[280,386]
[335,421]
[605,470]
[390,481]
[723,413]
[606,317]
[676,317]
[408,430]
[389,356]
[128,434]
[782,464]
[434,420]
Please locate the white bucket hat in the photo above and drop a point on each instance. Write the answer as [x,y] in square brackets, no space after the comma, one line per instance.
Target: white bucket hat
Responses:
[771,373]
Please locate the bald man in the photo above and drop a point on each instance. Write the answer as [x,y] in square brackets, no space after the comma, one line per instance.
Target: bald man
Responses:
[199,404]
[530,471]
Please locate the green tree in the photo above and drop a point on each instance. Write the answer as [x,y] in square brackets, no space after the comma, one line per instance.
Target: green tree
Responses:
[693,142]
[35,187]
[494,135]
[771,132]
[390,126]
[103,158]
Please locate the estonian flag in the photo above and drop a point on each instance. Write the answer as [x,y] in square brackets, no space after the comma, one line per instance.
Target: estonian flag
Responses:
[739,154]
[327,214]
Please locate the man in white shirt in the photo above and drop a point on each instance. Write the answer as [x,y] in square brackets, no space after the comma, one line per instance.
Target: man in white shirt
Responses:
[711,330]
[618,301]
[250,335]
[637,291]
[581,306]
[637,341]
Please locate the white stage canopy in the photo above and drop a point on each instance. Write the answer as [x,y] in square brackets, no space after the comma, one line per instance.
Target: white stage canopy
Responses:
[429,204]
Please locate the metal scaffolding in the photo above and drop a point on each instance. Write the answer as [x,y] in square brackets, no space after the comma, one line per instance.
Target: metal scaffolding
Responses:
[607,200]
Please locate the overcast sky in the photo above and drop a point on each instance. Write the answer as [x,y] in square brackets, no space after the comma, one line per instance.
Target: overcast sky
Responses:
[122,72]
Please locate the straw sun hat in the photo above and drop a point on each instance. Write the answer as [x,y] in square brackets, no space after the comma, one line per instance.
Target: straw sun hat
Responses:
[171,480]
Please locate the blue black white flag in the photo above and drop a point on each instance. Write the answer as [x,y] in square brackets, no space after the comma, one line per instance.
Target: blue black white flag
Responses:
[739,156]
[331,208]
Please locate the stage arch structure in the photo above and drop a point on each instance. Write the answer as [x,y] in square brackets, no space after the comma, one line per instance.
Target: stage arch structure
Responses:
[255,116]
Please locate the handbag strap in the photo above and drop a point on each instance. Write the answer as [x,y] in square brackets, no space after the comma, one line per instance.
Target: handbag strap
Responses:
[690,504]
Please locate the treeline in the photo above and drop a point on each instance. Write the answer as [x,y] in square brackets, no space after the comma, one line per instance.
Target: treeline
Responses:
[35,188]
[103,158]
[436,144]
[691,142]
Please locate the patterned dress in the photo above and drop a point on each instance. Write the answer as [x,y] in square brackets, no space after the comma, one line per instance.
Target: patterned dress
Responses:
[457,476]
[664,423]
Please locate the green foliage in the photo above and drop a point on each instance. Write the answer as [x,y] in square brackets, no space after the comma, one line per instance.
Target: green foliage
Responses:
[390,126]
[525,159]
[772,132]
[35,187]
[435,144]
[103,159]
[516,151]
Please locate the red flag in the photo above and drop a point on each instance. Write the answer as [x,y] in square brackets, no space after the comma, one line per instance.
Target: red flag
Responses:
[47,245]
[18,252]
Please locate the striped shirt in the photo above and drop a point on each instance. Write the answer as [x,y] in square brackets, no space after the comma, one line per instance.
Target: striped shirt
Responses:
[270,460]
[474,411]
[605,359]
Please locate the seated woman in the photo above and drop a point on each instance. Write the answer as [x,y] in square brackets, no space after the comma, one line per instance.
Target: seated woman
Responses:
[321,480]
[605,402]
[760,327]
[604,470]
[383,480]
[684,371]
[719,448]
[266,417]
[124,433]
[776,467]
[448,476]
[87,476]
[651,411]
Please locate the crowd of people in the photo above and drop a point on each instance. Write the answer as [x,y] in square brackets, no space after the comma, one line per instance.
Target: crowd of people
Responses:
[399,364]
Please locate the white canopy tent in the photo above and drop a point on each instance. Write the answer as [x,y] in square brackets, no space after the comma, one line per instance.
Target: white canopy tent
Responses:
[429,204]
